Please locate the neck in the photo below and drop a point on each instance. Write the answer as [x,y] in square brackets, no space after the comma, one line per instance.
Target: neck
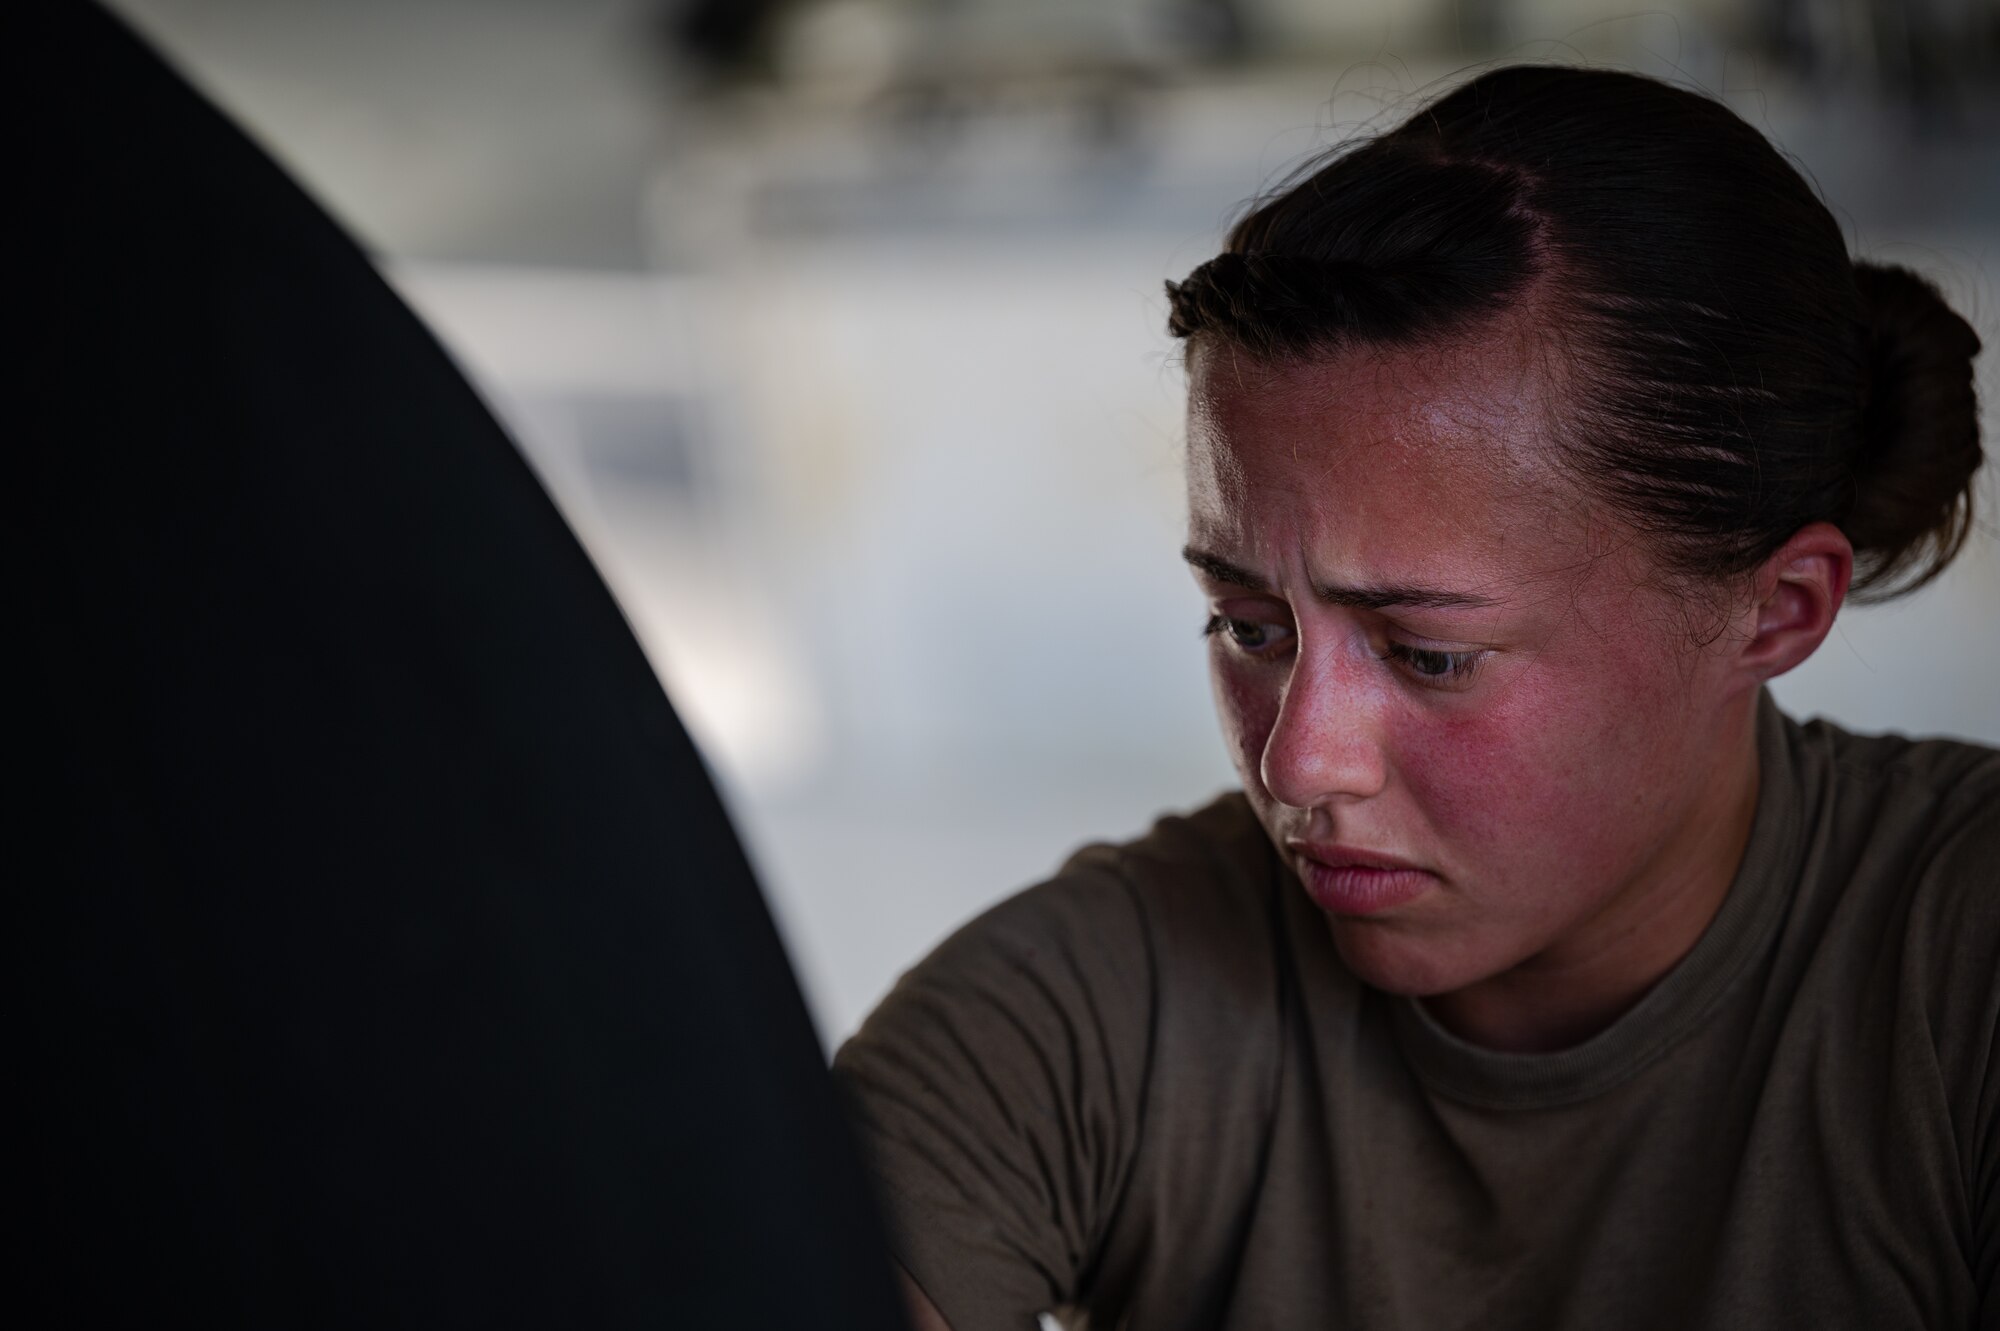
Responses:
[1575,989]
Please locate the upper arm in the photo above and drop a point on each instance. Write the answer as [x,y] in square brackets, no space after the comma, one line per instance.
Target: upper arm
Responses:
[1968,1030]
[998,1091]
[1953,950]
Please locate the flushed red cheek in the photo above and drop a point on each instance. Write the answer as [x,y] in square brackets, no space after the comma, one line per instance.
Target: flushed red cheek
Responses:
[1246,700]
[1532,786]
[1479,778]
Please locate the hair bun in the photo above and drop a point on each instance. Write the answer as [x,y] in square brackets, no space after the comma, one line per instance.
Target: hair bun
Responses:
[1919,445]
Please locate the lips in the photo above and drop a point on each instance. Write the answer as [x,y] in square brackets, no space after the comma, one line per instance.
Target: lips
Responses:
[1351,881]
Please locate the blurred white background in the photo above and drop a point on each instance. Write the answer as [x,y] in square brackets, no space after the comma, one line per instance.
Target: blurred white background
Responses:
[836,329]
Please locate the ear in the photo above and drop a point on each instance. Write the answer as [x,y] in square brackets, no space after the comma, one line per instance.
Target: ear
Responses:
[1796,593]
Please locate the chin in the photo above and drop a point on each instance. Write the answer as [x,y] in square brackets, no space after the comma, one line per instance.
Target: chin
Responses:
[1397,961]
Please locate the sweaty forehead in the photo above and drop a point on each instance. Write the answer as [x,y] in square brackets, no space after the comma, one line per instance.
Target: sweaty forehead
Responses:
[1421,466]
[1427,420]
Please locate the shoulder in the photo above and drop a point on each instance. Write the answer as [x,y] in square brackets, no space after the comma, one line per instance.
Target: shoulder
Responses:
[1202,890]
[1901,810]
[1935,806]
[1913,781]
[1119,924]
[1002,1089]
[1915,816]
[1157,952]
[1211,867]
[1219,841]
[1897,754]
[1905,834]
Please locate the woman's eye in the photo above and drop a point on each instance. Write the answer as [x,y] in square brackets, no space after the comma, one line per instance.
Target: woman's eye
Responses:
[1255,636]
[1431,666]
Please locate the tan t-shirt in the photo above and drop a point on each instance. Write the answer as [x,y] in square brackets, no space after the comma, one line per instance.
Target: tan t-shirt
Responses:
[1149,1091]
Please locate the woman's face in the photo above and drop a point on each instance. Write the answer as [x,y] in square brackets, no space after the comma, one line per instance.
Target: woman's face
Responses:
[1462,706]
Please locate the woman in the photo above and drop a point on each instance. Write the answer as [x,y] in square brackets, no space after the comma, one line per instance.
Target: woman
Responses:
[1542,974]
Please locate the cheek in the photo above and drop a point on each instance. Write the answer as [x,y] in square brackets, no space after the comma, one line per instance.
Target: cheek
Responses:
[1484,777]
[1247,697]
[1561,772]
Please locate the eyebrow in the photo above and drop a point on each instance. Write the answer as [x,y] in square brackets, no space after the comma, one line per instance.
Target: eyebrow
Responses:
[1364,598]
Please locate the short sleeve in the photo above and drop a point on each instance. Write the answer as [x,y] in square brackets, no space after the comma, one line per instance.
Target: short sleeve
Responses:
[999,1091]
[1964,881]
[1949,957]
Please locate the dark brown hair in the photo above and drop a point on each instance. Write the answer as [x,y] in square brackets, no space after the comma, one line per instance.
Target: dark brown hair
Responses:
[1734,375]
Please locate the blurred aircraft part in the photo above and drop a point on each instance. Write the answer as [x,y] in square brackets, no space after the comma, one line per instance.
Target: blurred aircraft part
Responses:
[387,958]
[608,380]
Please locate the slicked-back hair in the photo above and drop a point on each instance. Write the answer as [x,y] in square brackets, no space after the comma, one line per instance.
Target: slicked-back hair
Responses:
[1731,375]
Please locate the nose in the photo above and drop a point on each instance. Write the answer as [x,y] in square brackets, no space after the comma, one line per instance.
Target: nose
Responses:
[1326,744]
